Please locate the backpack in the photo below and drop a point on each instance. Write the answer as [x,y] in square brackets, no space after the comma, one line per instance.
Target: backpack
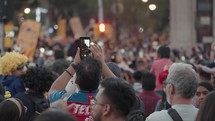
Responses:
[137,111]
[40,104]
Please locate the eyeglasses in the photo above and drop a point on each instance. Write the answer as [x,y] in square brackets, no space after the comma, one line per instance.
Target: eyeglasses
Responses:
[20,67]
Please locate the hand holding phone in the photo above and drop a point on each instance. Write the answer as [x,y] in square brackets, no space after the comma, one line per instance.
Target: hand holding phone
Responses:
[84,44]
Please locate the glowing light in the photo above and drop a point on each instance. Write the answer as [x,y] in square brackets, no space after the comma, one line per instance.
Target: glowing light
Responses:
[144,1]
[102,27]
[55,27]
[152,7]
[27,10]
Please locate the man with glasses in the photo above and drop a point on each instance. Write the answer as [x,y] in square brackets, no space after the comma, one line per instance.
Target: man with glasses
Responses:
[114,101]
[181,86]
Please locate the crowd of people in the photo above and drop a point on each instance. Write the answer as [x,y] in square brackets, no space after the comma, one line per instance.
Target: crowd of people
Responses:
[143,84]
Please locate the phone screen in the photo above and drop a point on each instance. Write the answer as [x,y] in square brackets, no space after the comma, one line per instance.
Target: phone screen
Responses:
[84,46]
[87,42]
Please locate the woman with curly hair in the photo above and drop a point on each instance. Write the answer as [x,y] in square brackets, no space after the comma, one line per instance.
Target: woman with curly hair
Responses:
[37,81]
[12,67]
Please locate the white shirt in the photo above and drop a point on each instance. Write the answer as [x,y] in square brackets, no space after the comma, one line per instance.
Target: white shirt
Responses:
[187,113]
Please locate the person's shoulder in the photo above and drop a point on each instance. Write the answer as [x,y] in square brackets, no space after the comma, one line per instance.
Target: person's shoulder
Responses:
[20,94]
[17,81]
[158,96]
[80,97]
[56,95]
[159,116]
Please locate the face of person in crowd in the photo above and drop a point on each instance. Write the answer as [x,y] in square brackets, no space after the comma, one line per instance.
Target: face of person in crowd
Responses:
[201,93]
[20,70]
[100,109]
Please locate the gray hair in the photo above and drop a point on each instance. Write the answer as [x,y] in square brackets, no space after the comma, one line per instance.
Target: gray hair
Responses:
[184,79]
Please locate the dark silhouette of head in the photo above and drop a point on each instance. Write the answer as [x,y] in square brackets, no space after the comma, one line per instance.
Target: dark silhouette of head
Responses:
[163,52]
[55,115]
[148,81]
[120,95]
[38,79]
[88,73]
[12,109]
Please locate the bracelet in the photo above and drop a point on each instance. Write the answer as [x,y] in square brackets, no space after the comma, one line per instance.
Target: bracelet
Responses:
[69,73]
[73,65]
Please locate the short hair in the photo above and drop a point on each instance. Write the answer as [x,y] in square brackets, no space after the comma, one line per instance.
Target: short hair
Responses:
[55,115]
[148,81]
[137,75]
[205,75]
[206,85]
[115,69]
[59,54]
[184,79]
[164,52]
[120,94]
[207,109]
[38,79]
[60,65]
[12,109]
[88,73]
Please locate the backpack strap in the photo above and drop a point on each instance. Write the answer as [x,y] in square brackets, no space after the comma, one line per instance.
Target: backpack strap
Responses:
[174,115]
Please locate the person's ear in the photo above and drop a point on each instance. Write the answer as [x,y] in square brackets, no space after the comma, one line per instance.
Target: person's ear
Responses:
[106,109]
[172,89]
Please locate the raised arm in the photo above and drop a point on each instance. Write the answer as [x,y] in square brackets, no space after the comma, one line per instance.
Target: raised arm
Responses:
[99,55]
[207,69]
[61,82]
[212,52]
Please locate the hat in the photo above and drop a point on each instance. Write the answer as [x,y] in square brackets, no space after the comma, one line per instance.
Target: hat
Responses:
[115,69]
[207,85]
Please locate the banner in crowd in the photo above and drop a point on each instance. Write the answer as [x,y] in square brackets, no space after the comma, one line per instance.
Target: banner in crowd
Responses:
[9,34]
[61,31]
[76,26]
[28,37]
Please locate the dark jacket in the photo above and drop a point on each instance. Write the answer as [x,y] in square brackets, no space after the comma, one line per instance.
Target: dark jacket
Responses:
[13,84]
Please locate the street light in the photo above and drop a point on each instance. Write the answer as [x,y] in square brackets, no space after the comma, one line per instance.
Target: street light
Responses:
[144,1]
[27,10]
[152,7]
[102,27]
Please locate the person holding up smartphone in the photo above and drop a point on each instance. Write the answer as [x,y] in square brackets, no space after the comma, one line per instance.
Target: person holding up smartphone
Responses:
[88,74]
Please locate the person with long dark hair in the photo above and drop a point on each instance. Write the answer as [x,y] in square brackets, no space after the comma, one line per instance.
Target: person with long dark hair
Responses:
[12,109]
[204,88]
[207,109]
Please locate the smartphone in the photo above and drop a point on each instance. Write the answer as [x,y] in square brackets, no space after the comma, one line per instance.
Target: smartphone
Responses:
[84,44]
